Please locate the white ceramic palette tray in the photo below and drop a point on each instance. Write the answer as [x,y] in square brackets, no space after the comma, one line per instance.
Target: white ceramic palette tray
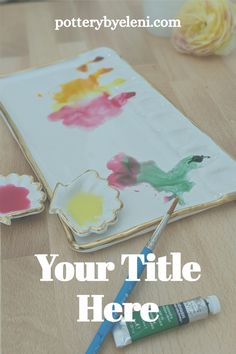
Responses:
[95,112]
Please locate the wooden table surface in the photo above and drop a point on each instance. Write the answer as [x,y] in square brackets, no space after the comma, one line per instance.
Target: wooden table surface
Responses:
[40,318]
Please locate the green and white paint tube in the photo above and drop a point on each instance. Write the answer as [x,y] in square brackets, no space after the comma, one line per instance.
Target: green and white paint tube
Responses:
[170,316]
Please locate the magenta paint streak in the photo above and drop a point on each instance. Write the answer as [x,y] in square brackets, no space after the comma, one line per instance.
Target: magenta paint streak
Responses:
[167,199]
[13,198]
[93,113]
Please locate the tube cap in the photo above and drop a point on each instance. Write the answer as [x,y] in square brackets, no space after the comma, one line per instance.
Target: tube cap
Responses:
[121,335]
[213,304]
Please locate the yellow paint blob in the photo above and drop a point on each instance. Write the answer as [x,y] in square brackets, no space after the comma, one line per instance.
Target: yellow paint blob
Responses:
[81,88]
[85,208]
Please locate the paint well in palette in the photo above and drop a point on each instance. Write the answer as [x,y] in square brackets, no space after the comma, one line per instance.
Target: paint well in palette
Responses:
[13,198]
[85,208]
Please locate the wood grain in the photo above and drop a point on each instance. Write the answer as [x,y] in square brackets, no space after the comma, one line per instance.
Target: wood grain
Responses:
[41,318]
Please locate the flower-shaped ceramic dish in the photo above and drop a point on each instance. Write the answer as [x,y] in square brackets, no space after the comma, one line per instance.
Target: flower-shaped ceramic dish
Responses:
[87,205]
[19,196]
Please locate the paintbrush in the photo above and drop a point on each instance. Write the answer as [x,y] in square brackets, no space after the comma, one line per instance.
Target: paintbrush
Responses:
[128,286]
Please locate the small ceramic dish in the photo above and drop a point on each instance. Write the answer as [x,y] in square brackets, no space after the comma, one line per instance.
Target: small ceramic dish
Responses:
[87,205]
[19,196]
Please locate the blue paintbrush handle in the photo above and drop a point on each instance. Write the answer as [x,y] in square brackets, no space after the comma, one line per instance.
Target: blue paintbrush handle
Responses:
[126,289]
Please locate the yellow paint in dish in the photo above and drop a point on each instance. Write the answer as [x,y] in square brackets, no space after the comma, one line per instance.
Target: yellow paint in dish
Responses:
[85,208]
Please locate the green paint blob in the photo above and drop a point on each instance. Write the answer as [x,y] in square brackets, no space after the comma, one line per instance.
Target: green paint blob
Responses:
[85,208]
[174,181]
[127,171]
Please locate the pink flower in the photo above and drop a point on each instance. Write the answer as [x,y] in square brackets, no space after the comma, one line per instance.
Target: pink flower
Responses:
[125,170]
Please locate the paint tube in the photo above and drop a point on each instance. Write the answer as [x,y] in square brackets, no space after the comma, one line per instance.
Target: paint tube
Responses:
[170,316]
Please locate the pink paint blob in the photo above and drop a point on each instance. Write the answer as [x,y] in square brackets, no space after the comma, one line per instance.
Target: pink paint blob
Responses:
[167,198]
[13,198]
[93,113]
[124,171]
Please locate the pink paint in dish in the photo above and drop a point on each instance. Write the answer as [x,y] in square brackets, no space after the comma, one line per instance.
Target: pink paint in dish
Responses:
[93,113]
[13,198]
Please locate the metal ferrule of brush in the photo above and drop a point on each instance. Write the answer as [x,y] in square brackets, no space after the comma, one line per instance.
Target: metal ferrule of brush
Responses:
[156,235]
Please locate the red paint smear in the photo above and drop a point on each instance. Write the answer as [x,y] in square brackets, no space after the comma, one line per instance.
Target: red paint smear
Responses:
[13,198]
[84,67]
[93,113]
[97,59]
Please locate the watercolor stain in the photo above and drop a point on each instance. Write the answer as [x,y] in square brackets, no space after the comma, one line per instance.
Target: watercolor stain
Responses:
[84,67]
[13,198]
[127,171]
[93,113]
[85,208]
[84,88]
[85,103]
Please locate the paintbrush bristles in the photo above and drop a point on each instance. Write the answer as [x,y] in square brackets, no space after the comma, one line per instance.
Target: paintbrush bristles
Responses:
[173,206]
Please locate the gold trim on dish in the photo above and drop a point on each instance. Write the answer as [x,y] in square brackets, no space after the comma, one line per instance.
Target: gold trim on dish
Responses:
[90,229]
[6,219]
[113,239]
